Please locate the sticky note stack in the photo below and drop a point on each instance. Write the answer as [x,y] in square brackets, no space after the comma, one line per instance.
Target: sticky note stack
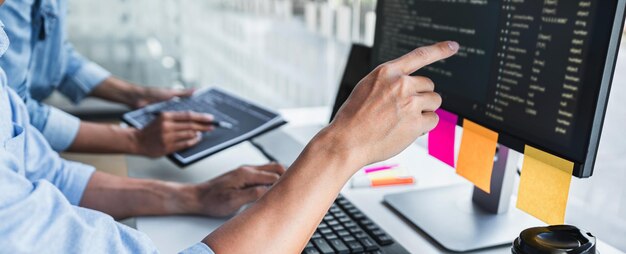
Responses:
[544,185]
[478,148]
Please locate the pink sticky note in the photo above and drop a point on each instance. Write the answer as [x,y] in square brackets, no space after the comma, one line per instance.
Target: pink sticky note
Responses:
[441,139]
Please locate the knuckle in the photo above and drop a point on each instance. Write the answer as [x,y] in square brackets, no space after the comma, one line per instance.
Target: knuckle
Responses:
[188,114]
[430,85]
[259,191]
[438,99]
[422,52]
[243,170]
[191,134]
[384,69]
[443,47]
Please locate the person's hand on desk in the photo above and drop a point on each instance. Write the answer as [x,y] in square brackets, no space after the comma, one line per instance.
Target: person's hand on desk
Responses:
[385,113]
[123,197]
[227,193]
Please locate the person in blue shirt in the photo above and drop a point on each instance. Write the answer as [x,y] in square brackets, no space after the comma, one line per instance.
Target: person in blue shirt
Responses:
[50,205]
[42,61]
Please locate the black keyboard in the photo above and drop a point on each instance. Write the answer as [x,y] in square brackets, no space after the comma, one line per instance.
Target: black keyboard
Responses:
[345,229]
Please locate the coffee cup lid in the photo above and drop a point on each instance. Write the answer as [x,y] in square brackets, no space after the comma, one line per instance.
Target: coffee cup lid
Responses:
[561,239]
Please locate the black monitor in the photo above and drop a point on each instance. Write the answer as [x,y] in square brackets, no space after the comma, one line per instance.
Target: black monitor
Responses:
[357,67]
[537,72]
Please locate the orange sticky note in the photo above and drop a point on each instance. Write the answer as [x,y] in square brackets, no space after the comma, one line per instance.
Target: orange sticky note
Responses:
[478,147]
[544,186]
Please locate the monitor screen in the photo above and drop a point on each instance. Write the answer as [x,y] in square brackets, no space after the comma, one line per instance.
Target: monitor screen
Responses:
[531,70]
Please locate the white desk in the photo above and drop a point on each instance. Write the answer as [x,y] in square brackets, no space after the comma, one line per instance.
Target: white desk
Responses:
[174,233]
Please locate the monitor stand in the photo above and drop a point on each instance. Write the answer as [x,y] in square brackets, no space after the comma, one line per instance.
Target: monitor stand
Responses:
[461,224]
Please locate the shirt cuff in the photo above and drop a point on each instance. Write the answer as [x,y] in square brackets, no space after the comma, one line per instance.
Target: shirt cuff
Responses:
[61,129]
[79,84]
[77,178]
[198,248]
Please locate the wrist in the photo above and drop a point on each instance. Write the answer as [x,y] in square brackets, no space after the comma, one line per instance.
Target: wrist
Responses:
[186,200]
[131,93]
[132,140]
[121,91]
[333,146]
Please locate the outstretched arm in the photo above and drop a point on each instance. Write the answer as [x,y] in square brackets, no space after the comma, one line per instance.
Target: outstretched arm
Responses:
[123,197]
[387,111]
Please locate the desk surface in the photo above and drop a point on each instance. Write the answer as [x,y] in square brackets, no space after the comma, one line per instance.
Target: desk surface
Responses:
[174,233]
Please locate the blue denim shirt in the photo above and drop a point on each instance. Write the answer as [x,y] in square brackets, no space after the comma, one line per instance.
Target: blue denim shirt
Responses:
[40,193]
[41,61]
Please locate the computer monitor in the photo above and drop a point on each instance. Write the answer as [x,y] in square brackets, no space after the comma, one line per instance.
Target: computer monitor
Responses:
[357,67]
[536,72]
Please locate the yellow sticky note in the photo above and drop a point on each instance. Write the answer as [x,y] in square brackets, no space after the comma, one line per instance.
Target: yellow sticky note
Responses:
[544,185]
[478,147]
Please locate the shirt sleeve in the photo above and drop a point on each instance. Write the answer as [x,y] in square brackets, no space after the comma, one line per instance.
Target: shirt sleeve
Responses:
[39,194]
[37,218]
[198,248]
[57,126]
[82,75]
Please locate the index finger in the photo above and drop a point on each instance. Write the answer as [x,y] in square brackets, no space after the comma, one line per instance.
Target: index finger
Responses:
[426,55]
[187,116]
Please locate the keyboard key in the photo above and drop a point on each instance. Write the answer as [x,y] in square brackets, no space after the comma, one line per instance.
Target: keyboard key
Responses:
[348,238]
[310,250]
[349,224]
[366,222]
[383,239]
[325,231]
[371,228]
[342,233]
[338,227]
[378,232]
[355,246]
[339,246]
[328,218]
[356,231]
[323,246]
[368,244]
[316,235]
[331,237]
[344,219]
[332,223]
[361,235]
[322,225]
[358,216]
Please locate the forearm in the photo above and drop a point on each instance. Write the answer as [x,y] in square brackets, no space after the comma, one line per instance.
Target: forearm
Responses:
[292,209]
[123,197]
[117,90]
[104,138]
